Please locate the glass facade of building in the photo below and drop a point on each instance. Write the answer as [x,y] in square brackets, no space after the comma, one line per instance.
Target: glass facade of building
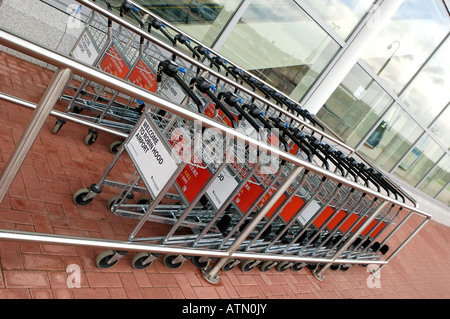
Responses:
[393,105]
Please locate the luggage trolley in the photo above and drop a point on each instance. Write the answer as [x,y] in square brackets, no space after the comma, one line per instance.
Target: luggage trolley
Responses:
[201,208]
[118,52]
[322,220]
[299,140]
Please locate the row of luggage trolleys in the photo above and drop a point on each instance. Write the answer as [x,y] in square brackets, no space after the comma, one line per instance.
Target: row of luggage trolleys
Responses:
[208,187]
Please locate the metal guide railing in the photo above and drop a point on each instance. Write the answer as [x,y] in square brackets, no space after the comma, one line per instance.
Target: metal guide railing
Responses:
[103,78]
[67,66]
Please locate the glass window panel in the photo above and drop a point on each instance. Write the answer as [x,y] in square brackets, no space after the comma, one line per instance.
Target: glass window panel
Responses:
[341,15]
[429,93]
[444,197]
[355,106]
[407,41]
[278,42]
[391,139]
[201,19]
[419,160]
[437,179]
[441,128]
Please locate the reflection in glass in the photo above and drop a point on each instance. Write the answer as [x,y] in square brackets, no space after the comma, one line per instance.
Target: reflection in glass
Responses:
[429,93]
[408,40]
[341,15]
[418,162]
[203,20]
[355,106]
[441,128]
[397,137]
[278,42]
[437,179]
[444,196]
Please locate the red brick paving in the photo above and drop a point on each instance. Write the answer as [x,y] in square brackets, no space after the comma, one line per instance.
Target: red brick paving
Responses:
[40,200]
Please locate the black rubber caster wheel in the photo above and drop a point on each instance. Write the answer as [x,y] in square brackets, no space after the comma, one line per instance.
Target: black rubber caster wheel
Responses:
[384,249]
[144,201]
[113,200]
[283,266]
[247,265]
[334,267]
[103,260]
[311,266]
[79,195]
[91,137]
[297,266]
[77,109]
[267,265]
[168,262]
[114,147]
[199,264]
[58,125]
[229,265]
[344,267]
[138,261]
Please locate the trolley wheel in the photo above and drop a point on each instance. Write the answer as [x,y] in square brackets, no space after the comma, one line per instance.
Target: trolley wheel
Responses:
[143,201]
[102,260]
[297,266]
[77,109]
[375,246]
[334,267]
[168,262]
[199,264]
[78,197]
[384,249]
[114,147]
[311,266]
[247,265]
[91,137]
[229,265]
[265,266]
[138,260]
[113,200]
[344,267]
[283,266]
[58,125]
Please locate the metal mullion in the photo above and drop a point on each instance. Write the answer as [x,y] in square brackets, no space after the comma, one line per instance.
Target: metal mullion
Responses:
[322,24]
[442,190]
[431,169]
[231,24]
[400,94]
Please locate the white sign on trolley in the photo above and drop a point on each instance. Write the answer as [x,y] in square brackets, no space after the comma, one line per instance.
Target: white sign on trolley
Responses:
[222,188]
[85,50]
[151,157]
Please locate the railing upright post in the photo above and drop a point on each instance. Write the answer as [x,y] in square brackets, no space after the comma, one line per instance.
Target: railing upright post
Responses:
[35,124]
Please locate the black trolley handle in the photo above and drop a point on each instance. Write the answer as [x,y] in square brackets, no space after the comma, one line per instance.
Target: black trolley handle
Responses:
[171,69]
[186,42]
[158,25]
[204,86]
[256,113]
[283,126]
[327,151]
